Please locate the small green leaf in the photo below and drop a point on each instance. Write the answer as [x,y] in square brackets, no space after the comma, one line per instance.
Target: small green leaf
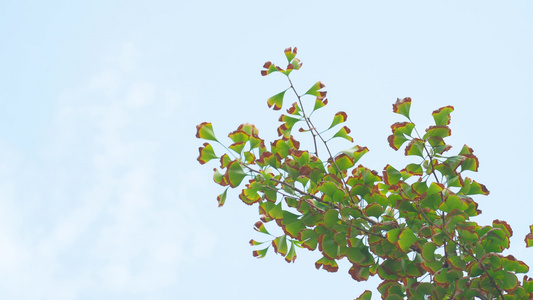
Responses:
[290,53]
[344,162]
[529,237]
[327,264]
[339,117]
[374,210]
[396,140]
[280,245]
[260,227]
[366,295]
[437,131]
[343,133]
[319,103]
[260,253]
[442,115]
[414,169]
[221,199]
[276,100]
[428,251]
[270,68]
[314,90]
[392,235]
[331,217]
[291,256]
[402,106]
[205,131]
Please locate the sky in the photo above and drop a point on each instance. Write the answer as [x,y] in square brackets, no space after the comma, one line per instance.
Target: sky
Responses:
[101,196]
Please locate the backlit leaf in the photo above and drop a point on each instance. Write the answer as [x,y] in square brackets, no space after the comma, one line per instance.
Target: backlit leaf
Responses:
[319,103]
[415,147]
[327,264]
[280,245]
[406,239]
[205,131]
[234,174]
[356,152]
[344,162]
[206,153]
[276,100]
[366,295]
[270,68]
[529,237]
[291,256]
[396,140]
[339,117]
[221,199]
[391,176]
[343,133]
[290,53]
[314,90]
[402,106]
[442,115]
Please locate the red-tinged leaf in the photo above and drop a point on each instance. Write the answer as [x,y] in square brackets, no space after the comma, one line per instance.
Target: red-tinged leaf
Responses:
[414,169]
[503,226]
[276,100]
[470,163]
[344,162]
[319,103]
[249,129]
[478,188]
[294,109]
[359,273]
[221,199]
[415,147]
[442,115]
[205,131]
[402,106]
[343,133]
[249,157]
[260,227]
[206,153]
[270,68]
[291,256]
[250,196]
[297,64]
[356,152]
[234,174]
[314,90]
[289,121]
[396,140]
[290,53]
[327,264]
[224,161]
[438,131]
[239,136]
[280,245]
[339,117]
[237,147]
[366,295]
[255,243]
[219,178]
[428,252]
[402,128]
[260,253]
[391,176]
[529,237]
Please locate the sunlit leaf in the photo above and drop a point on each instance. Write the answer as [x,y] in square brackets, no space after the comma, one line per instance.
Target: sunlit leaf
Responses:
[280,245]
[415,147]
[366,295]
[344,162]
[428,251]
[374,210]
[414,169]
[356,152]
[327,264]
[270,68]
[391,176]
[290,53]
[319,103]
[260,253]
[437,131]
[291,256]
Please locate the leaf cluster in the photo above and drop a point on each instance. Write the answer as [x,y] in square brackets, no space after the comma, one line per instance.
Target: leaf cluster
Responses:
[411,225]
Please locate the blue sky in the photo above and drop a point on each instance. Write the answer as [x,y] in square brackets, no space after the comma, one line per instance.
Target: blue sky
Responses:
[101,196]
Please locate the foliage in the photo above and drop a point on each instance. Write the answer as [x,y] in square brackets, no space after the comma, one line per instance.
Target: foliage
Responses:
[410,226]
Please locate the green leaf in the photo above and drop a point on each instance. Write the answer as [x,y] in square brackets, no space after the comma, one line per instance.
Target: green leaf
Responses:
[260,253]
[392,235]
[291,256]
[290,54]
[343,133]
[415,147]
[205,131]
[406,239]
[234,174]
[442,115]
[529,237]
[327,264]
[276,100]
[314,90]
[237,147]
[270,68]
[329,247]
[366,295]
[356,152]
[414,169]
[402,128]
[374,210]
[206,153]
[396,140]
[437,131]
[221,199]
[402,106]
[428,251]
[260,227]
[280,245]
[344,162]
[339,117]
[319,103]
[331,217]
[391,176]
